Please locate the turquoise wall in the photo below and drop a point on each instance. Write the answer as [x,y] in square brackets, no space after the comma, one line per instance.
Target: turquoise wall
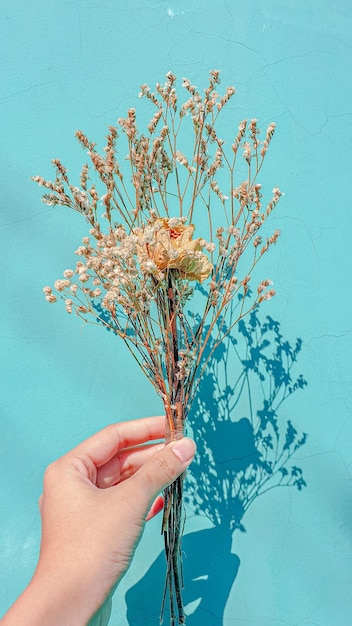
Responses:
[78,64]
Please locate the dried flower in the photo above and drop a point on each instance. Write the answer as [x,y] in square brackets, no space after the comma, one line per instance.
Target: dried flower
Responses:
[137,267]
[172,247]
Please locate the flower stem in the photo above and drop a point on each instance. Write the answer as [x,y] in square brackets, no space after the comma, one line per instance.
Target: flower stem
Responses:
[172,526]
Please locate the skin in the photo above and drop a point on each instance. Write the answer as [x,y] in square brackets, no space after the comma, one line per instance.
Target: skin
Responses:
[95,502]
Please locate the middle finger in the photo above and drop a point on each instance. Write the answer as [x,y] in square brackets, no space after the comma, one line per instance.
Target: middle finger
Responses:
[124,464]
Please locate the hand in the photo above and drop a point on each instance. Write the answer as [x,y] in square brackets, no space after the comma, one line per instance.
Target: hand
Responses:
[94,505]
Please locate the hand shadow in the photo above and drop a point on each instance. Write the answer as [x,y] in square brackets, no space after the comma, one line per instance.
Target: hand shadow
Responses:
[243,450]
[209,570]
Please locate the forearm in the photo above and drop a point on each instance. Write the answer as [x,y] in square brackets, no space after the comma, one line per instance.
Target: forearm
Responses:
[50,603]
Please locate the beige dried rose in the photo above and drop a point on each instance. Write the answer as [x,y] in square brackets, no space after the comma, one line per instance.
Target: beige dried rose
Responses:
[171,247]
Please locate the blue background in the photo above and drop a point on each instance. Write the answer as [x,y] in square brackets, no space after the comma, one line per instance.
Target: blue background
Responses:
[79,64]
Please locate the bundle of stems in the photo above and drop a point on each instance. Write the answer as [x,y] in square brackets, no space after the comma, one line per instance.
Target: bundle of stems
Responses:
[141,272]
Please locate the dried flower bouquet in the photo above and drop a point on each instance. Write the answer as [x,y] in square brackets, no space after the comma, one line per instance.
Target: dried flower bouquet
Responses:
[141,266]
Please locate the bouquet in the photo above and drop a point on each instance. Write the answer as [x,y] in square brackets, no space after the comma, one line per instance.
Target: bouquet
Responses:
[174,239]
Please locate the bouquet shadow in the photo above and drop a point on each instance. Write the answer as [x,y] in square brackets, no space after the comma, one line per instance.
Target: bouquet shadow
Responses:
[244,449]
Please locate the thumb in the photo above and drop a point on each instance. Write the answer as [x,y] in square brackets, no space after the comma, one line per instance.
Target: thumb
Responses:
[161,470]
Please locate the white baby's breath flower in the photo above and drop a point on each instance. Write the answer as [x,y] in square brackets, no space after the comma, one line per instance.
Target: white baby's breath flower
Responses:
[60,285]
[81,251]
[50,298]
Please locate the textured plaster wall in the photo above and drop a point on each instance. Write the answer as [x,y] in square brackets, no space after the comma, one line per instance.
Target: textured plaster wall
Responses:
[78,64]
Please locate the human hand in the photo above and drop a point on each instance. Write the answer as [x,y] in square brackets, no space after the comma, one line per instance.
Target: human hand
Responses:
[94,505]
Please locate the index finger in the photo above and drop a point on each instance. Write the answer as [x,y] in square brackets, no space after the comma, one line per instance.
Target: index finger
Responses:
[102,446]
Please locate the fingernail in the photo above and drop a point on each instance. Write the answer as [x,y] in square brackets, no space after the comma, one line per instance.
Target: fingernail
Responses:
[185,449]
